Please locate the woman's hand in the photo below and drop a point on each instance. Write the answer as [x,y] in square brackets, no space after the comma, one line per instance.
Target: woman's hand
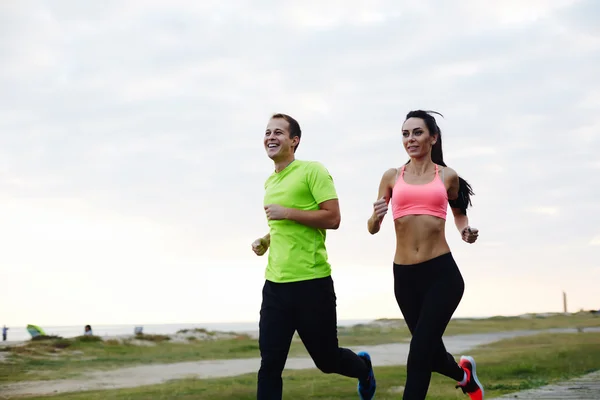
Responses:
[380,208]
[469,234]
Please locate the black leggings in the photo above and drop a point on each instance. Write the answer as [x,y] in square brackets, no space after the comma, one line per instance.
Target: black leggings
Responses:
[428,294]
[310,308]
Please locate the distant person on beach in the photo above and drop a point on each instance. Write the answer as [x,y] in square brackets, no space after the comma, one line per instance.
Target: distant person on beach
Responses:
[427,282]
[87,331]
[300,203]
[4,333]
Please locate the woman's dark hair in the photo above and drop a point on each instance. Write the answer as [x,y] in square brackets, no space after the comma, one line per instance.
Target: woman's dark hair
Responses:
[437,156]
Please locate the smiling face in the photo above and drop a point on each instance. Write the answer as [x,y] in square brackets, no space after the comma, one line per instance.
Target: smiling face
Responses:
[416,138]
[278,143]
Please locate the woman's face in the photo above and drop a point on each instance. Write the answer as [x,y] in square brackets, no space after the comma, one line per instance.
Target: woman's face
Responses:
[416,138]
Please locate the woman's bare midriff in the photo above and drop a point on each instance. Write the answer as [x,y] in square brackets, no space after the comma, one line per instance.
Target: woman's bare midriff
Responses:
[419,238]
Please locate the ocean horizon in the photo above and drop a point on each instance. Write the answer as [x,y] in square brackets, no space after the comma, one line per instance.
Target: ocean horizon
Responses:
[19,333]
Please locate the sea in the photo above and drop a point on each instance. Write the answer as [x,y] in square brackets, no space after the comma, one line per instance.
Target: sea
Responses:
[19,333]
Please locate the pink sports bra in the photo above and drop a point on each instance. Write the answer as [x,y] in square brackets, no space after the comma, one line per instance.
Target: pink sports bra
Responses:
[430,198]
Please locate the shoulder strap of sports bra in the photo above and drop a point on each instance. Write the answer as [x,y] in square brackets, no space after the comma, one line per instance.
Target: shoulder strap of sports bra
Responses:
[399,171]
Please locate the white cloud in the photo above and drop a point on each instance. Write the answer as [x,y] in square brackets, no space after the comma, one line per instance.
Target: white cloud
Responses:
[449,71]
[313,14]
[493,244]
[515,11]
[545,210]
[495,168]
[595,241]
[472,152]
[589,132]
[591,100]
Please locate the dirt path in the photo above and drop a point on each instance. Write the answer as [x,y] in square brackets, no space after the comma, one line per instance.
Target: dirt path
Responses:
[383,355]
[586,387]
[11,343]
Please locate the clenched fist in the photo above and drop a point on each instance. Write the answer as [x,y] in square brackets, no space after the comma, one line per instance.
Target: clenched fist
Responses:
[469,234]
[260,246]
[380,208]
[275,212]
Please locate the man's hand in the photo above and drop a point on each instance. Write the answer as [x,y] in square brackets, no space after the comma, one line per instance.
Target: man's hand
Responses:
[260,246]
[276,212]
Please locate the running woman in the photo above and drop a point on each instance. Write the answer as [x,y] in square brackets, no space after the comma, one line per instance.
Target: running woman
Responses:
[300,203]
[427,282]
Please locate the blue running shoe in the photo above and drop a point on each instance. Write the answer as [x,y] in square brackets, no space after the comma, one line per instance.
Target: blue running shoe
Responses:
[366,387]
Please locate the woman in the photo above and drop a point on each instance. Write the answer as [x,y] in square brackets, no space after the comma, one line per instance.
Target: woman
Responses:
[427,283]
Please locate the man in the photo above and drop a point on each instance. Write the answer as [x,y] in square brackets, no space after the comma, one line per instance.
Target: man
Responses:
[4,332]
[300,203]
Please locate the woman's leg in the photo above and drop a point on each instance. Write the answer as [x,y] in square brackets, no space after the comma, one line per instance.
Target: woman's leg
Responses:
[428,294]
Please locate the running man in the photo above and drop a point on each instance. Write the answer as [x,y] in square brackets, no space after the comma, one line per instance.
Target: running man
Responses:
[300,203]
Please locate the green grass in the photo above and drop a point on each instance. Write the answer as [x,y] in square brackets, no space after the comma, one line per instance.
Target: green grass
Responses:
[391,330]
[503,367]
[153,338]
[62,358]
[54,358]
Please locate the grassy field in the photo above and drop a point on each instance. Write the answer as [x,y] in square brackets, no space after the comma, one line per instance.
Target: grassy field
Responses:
[63,358]
[504,367]
[394,330]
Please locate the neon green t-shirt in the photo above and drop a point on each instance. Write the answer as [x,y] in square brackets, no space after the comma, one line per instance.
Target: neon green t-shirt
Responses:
[297,252]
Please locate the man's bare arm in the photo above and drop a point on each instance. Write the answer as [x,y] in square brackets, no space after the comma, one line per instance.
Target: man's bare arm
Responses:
[328,215]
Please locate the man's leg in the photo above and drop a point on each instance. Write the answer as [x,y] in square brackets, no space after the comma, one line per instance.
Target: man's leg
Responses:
[276,330]
[316,321]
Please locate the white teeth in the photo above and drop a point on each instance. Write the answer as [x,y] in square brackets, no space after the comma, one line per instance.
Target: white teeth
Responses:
[271,145]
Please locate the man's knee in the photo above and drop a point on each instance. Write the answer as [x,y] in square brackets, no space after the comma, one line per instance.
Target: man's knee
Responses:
[272,363]
[327,362]
[327,367]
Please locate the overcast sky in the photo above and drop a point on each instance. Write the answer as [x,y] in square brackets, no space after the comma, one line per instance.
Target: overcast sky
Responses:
[132,164]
